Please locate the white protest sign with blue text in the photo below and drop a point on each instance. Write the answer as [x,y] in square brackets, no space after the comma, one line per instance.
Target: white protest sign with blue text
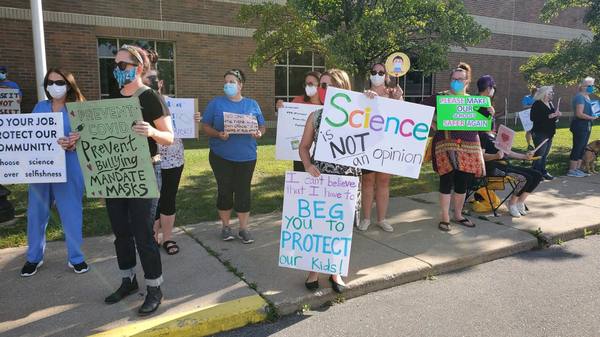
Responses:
[316,228]
[29,152]
[182,114]
[380,134]
[291,119]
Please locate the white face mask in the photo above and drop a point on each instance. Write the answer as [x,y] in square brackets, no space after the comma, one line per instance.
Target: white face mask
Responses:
[377,80]
[310,90]
[492,92]
[57,91]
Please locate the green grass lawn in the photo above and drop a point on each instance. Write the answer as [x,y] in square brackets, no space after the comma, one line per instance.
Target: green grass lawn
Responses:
[197,191]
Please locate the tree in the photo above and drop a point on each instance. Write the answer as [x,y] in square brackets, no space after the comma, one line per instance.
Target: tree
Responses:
[569,61]
[353,34]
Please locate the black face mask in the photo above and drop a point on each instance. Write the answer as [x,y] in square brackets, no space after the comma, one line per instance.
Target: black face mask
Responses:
[153,82]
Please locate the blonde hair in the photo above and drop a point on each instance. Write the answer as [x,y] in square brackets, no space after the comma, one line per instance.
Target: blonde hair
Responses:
[585,82]
[542,92]
[339,78]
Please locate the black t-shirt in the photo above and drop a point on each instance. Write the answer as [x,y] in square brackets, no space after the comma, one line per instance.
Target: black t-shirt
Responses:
[487,144]
[153,107]
[539,116]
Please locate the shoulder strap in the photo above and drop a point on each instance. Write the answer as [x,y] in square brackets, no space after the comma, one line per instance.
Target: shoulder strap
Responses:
[140,91]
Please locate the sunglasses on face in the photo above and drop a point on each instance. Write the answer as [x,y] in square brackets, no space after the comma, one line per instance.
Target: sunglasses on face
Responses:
[375,72]
[123,65]
[60,83]
[323,85]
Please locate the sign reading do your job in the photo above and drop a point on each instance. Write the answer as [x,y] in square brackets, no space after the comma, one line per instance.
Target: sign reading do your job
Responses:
[379,134]
[29,151]
[115,161]
[318,216]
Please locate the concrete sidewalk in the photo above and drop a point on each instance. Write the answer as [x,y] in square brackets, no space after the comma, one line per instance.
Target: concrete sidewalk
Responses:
[57,302]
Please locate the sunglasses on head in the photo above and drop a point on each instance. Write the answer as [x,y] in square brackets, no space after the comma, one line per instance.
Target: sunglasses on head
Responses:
[323,85]
[380,73]
[60,83]
[123,65]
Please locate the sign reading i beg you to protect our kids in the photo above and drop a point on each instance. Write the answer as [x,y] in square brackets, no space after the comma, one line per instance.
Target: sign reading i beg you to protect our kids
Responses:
[182,114]
[9,101]
[291,119]
[114,159]
[378,134]
[461,113]
[29,150]
[318,217]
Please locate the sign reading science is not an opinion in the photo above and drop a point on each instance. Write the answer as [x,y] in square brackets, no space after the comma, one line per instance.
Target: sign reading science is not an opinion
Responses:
[380,134]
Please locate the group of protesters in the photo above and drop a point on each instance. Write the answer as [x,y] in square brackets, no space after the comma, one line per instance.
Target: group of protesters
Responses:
[458,157]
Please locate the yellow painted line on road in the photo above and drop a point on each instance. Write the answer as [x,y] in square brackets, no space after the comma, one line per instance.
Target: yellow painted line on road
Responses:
[198,322]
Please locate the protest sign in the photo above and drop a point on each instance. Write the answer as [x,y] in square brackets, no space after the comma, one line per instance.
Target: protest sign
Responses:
[182,114]
[316,227]
[504,139]
[379,134]
[525,117]
[240,124]
[29,152]
[9,101]
[460,113]
[595,108]
[291,120]
[115,160]
[397,64]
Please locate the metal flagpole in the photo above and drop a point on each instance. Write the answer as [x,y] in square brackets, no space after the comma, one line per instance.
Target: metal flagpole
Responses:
[39,46]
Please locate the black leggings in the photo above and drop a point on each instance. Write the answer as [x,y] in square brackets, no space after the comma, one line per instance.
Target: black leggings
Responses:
[233,180]
[527,178]
[168,191]
[459,179]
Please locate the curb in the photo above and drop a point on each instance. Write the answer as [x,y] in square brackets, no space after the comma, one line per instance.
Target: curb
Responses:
[198,322]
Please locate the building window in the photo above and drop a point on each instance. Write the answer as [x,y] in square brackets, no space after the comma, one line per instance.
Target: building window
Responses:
[416,86]
[290,71]
[107,50]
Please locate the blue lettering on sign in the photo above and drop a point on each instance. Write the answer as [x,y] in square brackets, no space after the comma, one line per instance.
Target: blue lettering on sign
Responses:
[316,243]
[336,211]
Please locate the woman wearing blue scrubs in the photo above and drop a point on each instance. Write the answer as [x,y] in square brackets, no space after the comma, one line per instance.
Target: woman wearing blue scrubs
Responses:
[61,87]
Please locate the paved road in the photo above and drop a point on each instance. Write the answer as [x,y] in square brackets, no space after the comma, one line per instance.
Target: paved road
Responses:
[550,292]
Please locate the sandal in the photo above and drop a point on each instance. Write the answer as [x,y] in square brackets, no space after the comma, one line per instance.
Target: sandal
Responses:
[170,247]
[444,226]
[465,222]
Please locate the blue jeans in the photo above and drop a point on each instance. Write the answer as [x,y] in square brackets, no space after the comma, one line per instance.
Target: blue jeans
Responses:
[540,164]
[581,135]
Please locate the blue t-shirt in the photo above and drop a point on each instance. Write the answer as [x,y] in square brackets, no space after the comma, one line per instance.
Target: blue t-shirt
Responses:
[237,147]
[11,85]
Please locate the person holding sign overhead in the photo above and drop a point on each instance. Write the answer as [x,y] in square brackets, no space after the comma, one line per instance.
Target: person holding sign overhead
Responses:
[376,185]
[60,87]
[544,117]
[337,79]
[232,157]
[132,219]
[456,156]
[581,126]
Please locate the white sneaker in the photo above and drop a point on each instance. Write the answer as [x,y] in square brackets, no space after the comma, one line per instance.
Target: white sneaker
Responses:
[364,224]
[575,173]
[521,208]
[514,211]
[386,226]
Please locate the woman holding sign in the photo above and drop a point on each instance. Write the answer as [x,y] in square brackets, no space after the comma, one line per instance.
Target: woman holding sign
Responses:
[61,87]
[132,219]
[456,156]
[581,126]
[338,79]
[544,117]
[233,156]
[376,185]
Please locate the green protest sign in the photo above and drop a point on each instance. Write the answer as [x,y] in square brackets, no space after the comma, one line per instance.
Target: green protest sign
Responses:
[460,113]
[115,161]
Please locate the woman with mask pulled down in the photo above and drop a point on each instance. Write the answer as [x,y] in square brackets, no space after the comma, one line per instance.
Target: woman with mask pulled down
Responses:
[376,185]
[232,157]
[132,219]
[60,87]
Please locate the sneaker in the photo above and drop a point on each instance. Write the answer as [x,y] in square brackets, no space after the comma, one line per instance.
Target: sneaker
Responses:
[79,268]
[548,176]
[227,234]
[514,211]
[244,235]
[364,224]
[521,209]
[575,173]
[585,174]
[29,269]
[385,226]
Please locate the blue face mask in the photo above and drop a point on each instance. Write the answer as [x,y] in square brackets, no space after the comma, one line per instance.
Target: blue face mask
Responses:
[590,89]
[230,89]
[2,76]
[457,86]
[124,77]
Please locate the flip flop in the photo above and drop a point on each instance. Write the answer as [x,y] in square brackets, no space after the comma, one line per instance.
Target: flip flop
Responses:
[444,226]
[171,247]
[465,222]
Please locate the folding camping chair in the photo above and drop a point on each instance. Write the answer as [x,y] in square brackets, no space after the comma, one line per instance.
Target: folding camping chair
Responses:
[493,183]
